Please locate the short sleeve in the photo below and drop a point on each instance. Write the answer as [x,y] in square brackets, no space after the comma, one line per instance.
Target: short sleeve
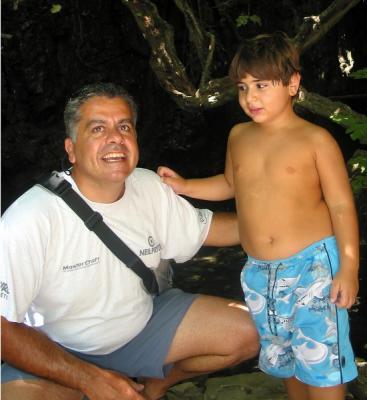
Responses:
[186,227]
[22,248]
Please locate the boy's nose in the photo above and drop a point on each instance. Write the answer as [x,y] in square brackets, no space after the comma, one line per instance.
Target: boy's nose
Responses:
[250,95]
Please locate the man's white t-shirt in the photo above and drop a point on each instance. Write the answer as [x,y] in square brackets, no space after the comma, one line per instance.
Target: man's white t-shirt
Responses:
[58,276]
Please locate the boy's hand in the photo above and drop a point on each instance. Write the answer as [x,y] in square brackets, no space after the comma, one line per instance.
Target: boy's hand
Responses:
[344,289]
[172,179]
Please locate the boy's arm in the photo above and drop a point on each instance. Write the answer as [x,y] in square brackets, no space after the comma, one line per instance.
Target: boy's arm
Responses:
[339,199]
[211,188]
[215,188]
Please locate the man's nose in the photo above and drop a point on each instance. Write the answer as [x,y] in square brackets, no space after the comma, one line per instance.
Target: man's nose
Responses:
[115,135]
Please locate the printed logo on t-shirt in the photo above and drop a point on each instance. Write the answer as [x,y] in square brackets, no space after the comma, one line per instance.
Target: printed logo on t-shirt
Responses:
[4,290]
[202,217]
[80,265]
[153,247]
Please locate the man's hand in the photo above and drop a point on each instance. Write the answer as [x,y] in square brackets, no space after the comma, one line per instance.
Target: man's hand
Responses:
[173,179]
[110,385]
[44,358]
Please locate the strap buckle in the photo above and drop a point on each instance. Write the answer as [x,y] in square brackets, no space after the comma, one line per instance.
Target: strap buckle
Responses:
[92,220]
[56,184]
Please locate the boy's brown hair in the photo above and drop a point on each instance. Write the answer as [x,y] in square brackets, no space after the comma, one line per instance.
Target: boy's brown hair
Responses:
[268,56]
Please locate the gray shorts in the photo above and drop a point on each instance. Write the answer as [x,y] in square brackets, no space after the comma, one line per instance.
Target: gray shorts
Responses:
[144,355]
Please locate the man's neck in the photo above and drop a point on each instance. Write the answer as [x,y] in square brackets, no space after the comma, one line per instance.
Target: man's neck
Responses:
[106,193]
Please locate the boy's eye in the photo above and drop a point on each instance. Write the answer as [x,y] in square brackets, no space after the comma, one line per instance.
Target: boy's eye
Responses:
[261,85]
[242,88]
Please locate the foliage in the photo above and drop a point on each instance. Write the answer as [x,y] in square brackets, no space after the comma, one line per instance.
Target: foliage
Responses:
[360,74]
[55,8]
[243,20]
[358,168]
[357,128]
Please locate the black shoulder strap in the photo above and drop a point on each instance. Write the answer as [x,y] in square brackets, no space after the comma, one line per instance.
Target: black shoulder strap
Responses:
[94,222]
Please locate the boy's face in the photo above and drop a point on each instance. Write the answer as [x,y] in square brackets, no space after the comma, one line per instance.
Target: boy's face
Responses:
[266,100]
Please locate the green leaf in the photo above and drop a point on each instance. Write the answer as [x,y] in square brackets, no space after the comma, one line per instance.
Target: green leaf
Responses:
[356,127]
[255,19]
[55,8]
[360,74]
[243,20]
[358,167]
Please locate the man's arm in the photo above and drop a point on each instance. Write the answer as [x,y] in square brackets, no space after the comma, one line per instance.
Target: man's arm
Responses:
[30,350]
[223,230]
[339,199]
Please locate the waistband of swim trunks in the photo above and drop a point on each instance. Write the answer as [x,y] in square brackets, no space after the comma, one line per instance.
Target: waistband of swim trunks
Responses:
[328,241]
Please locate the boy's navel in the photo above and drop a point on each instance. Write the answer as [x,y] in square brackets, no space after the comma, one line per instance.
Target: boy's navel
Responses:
[290,170]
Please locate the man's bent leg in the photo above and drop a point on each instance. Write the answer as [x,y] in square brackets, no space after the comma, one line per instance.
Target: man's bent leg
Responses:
[215,333]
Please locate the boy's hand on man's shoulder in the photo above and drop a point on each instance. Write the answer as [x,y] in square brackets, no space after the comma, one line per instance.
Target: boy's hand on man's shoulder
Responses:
[172,178]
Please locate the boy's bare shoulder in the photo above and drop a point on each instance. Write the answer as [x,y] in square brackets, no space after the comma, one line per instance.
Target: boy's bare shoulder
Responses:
[315,133]
[241,129]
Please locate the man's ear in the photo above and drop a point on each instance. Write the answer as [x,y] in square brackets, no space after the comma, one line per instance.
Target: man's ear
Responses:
[294,83]
[69,148]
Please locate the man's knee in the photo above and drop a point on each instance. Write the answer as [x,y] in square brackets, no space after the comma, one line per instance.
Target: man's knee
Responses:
[245,338]
[250,343]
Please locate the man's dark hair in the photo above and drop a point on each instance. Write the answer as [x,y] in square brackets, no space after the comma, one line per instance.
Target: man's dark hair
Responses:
[72,109]
[268,56]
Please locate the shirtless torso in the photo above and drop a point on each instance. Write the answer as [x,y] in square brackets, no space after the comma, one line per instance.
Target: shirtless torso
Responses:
[279,200]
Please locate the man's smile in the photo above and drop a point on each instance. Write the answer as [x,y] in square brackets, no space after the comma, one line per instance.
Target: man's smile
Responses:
[114,157]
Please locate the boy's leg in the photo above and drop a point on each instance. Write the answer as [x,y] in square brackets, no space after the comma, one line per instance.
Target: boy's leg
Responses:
[296,389]
[327,393]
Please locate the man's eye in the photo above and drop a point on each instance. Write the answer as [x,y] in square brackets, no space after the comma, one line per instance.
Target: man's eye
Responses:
[125,128]
[97,129]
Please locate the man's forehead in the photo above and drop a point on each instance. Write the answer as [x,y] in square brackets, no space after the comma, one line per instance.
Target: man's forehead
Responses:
[106,105]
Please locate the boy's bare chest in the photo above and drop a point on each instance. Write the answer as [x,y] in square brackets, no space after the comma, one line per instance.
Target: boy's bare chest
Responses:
[256,163]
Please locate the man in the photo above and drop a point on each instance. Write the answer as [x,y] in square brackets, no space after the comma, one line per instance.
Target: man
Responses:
[90,324]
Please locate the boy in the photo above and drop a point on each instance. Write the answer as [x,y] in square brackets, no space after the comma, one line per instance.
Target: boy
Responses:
[297,220]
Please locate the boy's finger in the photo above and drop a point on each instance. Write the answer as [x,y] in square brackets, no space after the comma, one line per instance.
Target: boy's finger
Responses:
[334,292]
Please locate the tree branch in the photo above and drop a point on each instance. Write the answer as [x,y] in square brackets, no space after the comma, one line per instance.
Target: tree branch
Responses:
[213,93]
[164,61]
[198,37]
[320,105]
[316,26]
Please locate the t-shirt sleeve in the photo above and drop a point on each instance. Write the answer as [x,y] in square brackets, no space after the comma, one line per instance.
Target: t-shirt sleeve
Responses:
[186,227]
[22,258]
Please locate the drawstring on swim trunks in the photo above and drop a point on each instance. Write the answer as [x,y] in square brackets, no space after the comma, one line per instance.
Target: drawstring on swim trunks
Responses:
[271,311]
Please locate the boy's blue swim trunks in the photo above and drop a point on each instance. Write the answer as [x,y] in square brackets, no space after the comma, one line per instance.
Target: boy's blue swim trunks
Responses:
[302,333]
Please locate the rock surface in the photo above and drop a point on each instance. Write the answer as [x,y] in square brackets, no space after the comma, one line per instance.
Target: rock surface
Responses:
[251,386]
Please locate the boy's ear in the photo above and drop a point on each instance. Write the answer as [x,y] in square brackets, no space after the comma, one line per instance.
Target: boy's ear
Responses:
[294,84]
[69,148]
